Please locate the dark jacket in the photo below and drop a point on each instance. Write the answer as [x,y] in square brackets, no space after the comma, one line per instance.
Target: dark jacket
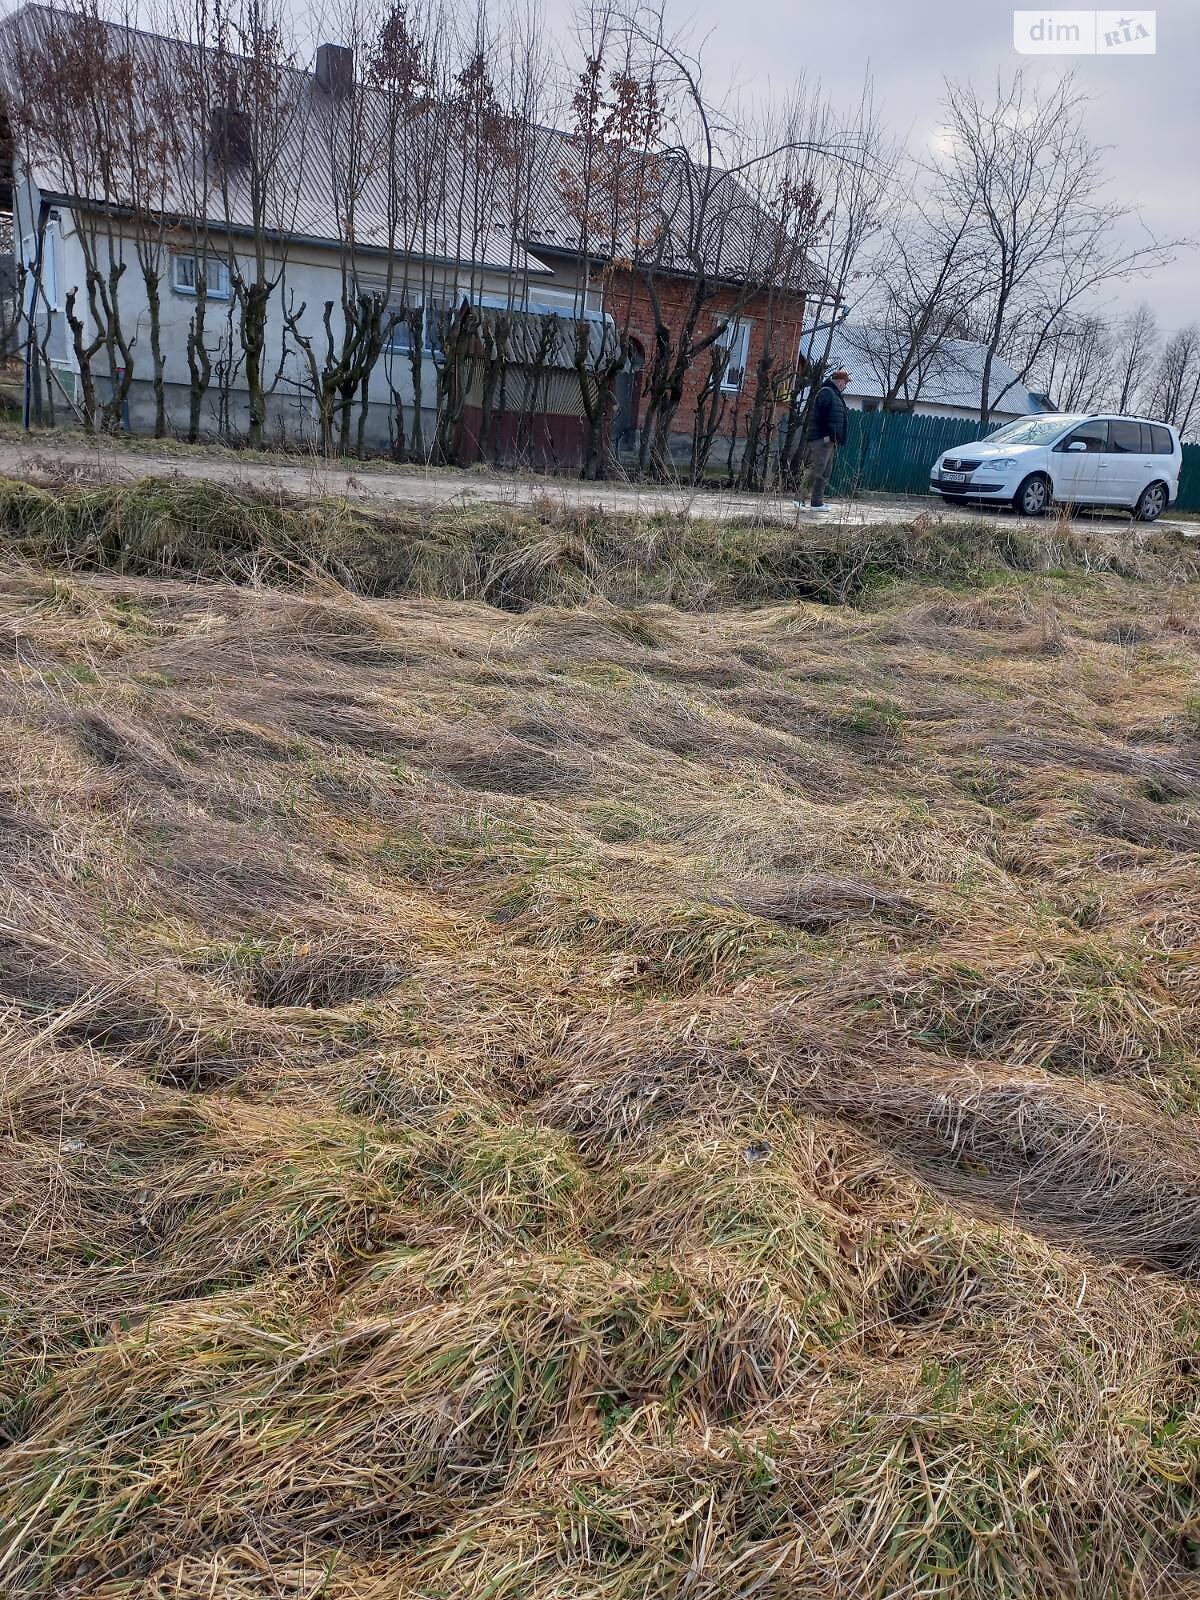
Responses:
[829,414]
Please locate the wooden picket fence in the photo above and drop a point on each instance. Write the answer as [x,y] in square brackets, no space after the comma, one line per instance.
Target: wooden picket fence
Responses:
[892,451]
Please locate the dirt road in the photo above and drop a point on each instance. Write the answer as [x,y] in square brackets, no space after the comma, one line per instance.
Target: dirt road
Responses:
[411,486]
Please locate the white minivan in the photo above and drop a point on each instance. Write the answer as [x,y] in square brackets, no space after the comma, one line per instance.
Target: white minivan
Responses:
[1124,462]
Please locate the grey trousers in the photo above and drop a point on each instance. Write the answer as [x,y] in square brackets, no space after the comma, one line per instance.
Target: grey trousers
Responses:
[819,456]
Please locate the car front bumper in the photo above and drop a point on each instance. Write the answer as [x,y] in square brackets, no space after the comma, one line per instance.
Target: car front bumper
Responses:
[985,488]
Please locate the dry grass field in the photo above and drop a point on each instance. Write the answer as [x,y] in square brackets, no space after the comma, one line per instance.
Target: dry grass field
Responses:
[610,1064]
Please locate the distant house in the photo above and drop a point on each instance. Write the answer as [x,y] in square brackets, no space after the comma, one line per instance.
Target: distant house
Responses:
[758,295]
[945,380]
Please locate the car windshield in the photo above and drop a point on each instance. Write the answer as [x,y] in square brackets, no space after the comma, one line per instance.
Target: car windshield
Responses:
[1031,430]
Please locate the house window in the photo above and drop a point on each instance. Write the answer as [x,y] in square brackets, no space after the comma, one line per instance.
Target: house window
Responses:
[400,339]
[186,272]
[48,297]
[736,339]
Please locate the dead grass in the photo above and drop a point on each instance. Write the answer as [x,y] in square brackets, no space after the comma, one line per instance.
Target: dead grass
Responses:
[599,1093]
[517,557]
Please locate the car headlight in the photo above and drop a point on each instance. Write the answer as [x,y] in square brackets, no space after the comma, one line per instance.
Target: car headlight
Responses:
[1002,464]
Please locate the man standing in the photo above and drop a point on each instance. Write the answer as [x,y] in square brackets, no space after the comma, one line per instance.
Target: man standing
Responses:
[826,433]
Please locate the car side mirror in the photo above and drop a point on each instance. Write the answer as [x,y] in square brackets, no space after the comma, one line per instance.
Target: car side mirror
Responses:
[1077,445]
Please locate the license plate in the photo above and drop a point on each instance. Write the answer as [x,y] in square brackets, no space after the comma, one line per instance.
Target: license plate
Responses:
[955,477]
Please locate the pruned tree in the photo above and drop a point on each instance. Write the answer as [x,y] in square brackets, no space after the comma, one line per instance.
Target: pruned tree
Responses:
[352,144]
[148,122]
[258,134]
[403,70]
[67,67]
[530,92]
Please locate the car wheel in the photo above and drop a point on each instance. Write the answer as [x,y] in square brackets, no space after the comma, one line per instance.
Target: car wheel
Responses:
[1152,502]
[1032,498]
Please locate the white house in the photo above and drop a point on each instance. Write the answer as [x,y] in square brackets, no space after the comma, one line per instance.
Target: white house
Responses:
[417,239]
[944,380]
[167,192]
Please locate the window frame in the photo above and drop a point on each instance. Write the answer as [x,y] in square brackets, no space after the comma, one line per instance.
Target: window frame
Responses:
[189,289]
[738,331]
[1162,440]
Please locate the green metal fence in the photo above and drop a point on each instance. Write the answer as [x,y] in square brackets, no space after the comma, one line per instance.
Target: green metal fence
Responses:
[1189,479]
[894,450]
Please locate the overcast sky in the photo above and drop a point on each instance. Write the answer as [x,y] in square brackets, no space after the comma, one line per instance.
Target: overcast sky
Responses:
[1146,107]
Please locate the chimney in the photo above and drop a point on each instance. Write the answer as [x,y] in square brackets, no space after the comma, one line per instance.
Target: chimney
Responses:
[335,70]
[229,137]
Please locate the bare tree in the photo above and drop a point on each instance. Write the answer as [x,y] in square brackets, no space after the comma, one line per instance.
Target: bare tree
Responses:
[713,245]
[1077,362]
[509,334]
[352,143]
[1042,223]
[926,275]
[613,188]
[479,142]
[188,59]
[403,69]
[148,122]
[856,182]
[1137,342]
[1175,391]
[788,188]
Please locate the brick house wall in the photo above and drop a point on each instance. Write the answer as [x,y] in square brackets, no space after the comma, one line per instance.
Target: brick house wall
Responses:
[627,295]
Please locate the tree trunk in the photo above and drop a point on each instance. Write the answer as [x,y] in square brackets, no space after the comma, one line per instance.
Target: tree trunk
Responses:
[752,473]
[154,303]
[494,336]
[254,342]
[710,407]
[985,403]
[199,363]
[83,360]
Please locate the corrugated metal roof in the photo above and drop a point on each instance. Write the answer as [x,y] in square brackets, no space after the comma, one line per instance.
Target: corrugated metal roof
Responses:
[306,202]
[732,233]
[951,374]
[737,244]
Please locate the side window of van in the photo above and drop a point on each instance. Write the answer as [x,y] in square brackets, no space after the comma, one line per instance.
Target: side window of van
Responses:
[1093,434]
[1125,438]
[1162,443]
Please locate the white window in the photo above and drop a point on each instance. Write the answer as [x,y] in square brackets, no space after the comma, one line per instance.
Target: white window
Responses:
[736,339]
[186,270]
[545,297]
[49,290]
[401,337]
